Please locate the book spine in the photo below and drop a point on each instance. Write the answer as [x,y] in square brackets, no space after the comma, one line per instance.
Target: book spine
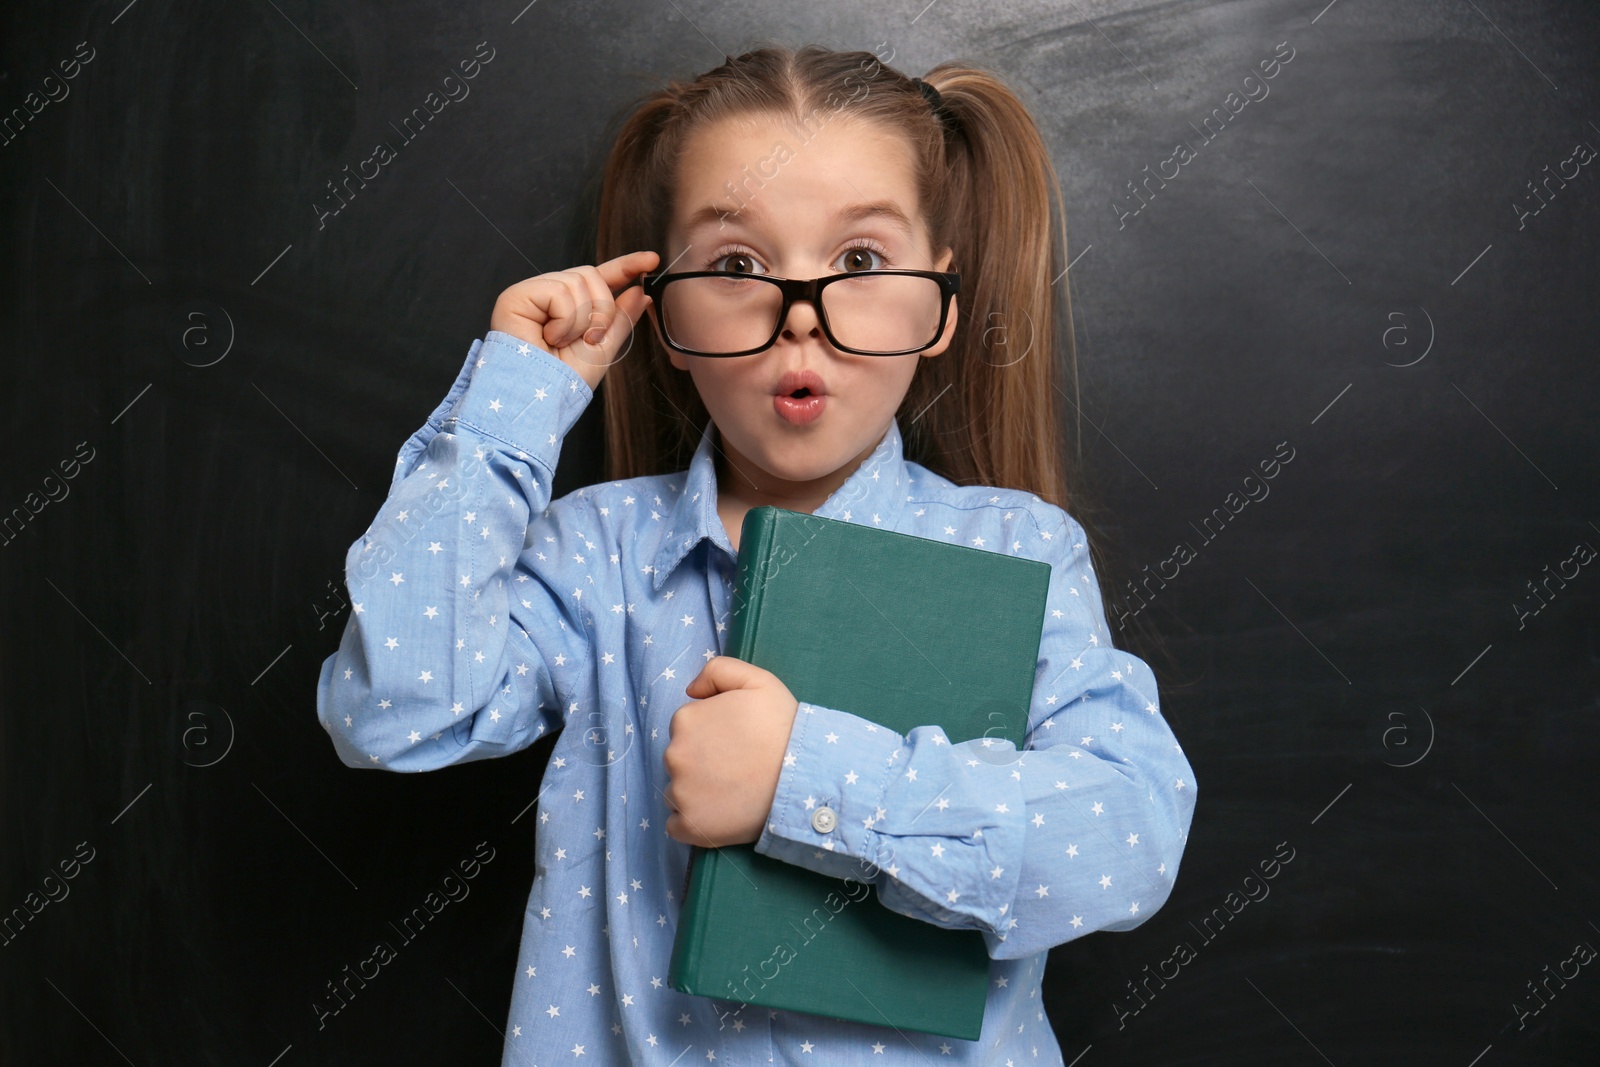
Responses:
[755,548]
[683,972]
[760,529]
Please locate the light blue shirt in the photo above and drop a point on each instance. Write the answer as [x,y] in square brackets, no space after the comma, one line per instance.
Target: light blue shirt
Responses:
[485,615]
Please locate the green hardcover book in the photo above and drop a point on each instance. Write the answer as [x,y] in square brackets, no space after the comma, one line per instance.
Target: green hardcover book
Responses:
[851,617]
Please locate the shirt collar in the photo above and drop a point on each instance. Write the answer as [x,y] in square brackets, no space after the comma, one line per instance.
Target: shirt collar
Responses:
[873,495]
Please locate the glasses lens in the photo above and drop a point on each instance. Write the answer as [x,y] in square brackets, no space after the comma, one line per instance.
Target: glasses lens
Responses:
[727,313]
[734,313]
[883,312]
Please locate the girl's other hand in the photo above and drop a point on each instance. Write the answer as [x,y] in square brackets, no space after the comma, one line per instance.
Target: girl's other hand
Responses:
[573,315]
[724,753]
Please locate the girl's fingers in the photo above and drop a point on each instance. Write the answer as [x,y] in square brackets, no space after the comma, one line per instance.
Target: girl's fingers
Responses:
[602,310]
[613,318]
[620,271]
[559,302]
[564,309]
[573,313]
[619,275]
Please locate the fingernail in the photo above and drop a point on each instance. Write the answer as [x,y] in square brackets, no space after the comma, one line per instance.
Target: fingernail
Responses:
[595,335]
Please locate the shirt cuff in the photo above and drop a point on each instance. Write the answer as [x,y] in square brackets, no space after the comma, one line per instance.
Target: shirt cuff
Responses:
[521,395]
[830,795]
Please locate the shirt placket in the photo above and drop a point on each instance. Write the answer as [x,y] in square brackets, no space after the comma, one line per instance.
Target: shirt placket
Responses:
[719,587]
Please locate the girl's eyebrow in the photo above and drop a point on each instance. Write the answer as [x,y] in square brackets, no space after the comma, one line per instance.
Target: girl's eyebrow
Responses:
[886,210]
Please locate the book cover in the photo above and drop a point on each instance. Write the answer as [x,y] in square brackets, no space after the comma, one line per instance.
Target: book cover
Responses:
[905,631]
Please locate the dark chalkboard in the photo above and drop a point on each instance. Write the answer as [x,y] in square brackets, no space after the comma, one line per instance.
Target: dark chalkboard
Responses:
[1336,335]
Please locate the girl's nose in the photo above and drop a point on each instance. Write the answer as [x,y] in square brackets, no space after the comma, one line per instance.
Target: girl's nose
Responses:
[802,322]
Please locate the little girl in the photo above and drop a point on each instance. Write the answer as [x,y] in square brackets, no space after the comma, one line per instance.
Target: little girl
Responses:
[817,214]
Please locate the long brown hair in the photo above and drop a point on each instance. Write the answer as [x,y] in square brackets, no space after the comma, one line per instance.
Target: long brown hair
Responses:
[987,411]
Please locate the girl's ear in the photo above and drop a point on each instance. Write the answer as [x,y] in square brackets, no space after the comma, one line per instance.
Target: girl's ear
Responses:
[949,334]
[943,263]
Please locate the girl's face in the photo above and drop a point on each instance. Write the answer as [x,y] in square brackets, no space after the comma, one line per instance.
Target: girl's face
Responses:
[754,196]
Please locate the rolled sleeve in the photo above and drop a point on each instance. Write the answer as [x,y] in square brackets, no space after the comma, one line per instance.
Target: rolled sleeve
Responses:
[837,761]
[943,821]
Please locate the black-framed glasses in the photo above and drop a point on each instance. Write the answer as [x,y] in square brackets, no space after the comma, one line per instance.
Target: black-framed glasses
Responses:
[867,312]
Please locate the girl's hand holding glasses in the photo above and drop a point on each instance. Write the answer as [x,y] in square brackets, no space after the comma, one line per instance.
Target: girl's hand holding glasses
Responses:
[573,315]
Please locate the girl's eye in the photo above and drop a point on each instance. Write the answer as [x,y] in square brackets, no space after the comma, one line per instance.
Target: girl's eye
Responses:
[738,262]
[859,257]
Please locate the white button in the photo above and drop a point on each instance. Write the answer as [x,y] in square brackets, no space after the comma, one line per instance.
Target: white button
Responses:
[823,820]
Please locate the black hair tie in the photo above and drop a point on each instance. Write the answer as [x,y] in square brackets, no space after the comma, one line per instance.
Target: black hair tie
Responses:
[935,103]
